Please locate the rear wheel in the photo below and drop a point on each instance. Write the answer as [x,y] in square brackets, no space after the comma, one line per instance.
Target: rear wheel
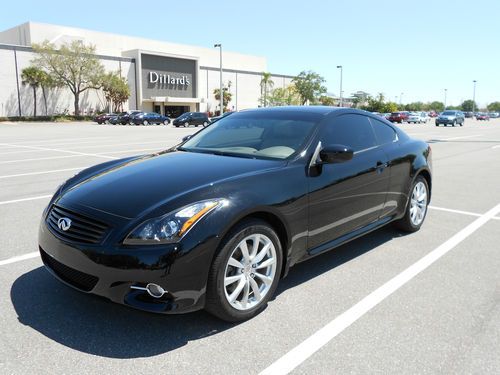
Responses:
[416,208]
[245,273]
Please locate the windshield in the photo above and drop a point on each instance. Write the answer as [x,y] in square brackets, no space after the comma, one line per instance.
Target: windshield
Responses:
[274,135]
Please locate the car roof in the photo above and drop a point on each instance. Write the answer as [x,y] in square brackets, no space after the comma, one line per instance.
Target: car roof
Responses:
[311,109]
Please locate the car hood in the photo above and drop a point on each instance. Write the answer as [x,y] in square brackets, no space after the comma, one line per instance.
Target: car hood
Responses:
[139,185]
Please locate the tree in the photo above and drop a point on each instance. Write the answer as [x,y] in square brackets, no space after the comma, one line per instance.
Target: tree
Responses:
[74,65]
[116,90]
[30,76]
[227,96]
[389,107]
[309,86]
[266,83]
[468,105]
[283,96]
[493,107]
[436,106]
[326,100]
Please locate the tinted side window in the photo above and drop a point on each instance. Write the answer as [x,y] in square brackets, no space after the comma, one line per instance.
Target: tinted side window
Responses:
[354,131]
[384,133]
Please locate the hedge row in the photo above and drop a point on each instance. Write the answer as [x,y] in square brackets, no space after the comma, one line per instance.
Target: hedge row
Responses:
[55,118]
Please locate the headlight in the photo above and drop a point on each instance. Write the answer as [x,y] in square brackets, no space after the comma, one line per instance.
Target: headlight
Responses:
[170,227]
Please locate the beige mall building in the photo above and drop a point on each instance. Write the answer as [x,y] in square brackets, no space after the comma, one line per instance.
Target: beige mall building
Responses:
[164,77]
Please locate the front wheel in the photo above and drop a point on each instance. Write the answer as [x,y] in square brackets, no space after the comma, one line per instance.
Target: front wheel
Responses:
[416,209]
[245,273]
[205,124]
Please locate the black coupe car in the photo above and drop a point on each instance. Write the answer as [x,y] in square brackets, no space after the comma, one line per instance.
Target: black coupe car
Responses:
[216,221]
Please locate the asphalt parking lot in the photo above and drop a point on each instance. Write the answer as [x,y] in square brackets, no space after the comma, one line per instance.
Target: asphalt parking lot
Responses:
[371,306]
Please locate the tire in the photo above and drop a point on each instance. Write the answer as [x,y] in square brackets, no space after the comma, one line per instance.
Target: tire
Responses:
[412,224]
[245,280]
[176,126]
[205,124]
[186,124]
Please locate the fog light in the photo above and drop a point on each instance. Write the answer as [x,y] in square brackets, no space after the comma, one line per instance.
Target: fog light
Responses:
[155,290]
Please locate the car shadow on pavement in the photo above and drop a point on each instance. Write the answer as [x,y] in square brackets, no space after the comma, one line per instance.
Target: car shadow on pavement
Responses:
[329,260]
[94,325]
[97,326]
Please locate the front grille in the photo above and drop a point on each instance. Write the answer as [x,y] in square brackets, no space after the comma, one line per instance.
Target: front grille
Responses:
[82,229]
[78,279]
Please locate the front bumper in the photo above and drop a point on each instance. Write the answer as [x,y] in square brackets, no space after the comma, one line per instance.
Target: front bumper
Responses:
[445,121]
[110,271]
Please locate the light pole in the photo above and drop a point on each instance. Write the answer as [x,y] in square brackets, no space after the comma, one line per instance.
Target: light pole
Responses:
[340,67]
[474,98]
[221,92]
[445,93]
[401,98]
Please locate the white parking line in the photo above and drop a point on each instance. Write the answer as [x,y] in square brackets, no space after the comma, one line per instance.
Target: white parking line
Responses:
[312,344]
[19,258]
[459,212]
[463,137]
[25,199]
[37,142]
[43,172]
[497,146]
[66,151]
[37,159]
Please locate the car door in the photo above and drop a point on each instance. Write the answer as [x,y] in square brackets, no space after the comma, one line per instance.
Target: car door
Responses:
[347,196]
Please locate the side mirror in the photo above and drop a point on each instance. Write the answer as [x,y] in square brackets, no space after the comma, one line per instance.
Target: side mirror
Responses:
[186,138]
[336,154]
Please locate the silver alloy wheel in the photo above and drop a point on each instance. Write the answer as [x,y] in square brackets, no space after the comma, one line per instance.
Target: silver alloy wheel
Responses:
[250,272]
[418,204]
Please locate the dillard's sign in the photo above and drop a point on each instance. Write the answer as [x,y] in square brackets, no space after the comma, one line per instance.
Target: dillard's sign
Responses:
[167,79]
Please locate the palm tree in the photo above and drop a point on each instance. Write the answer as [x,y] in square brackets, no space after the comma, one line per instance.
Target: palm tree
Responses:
[265,83]
[31,76]
[46,82]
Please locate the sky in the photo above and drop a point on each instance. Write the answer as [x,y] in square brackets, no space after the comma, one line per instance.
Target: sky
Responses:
[414,48]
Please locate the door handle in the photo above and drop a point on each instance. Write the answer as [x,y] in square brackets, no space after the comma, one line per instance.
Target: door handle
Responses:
[381,165]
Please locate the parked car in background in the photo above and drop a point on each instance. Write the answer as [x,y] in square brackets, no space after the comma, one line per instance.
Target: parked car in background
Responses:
[451,118]
[424,117]
[146,118]
[103,118]
[482,117]
[114,119]
[124,117]
[494,115]
[433,114]
[386,115]
[468,114]
[398,117]
[415,118]
[192,118]
[217,118]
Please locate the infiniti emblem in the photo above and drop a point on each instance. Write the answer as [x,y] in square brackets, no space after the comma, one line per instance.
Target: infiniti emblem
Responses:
[64,223]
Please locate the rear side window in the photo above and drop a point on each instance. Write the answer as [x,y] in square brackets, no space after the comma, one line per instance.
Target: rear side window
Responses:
[354,131]
[384,133]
